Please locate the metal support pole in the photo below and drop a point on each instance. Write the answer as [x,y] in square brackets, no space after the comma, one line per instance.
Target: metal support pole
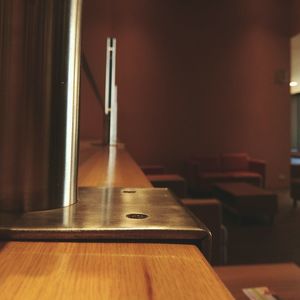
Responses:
[39,101]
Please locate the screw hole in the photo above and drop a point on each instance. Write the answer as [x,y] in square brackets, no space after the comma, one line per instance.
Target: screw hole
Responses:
[137,216]
[129,191]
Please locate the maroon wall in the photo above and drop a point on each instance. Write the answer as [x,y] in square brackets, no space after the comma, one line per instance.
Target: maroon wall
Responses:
[194,77]
[295,17]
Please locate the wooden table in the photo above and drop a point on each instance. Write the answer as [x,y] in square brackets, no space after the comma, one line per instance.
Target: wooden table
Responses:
[246,199]
[281,279]
[66,270]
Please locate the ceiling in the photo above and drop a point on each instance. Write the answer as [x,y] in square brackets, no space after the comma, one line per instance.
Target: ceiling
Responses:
[295,63]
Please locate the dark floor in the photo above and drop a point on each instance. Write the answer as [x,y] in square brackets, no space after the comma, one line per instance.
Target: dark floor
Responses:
[256,241]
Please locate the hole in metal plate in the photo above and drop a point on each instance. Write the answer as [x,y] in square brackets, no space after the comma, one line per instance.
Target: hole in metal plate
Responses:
[137,216]
[129,191]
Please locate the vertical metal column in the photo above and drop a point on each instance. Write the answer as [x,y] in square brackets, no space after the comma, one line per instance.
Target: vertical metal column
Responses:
[111,103]
[39,103]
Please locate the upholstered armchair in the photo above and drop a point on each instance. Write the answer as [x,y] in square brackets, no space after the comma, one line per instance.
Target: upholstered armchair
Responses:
[204,172]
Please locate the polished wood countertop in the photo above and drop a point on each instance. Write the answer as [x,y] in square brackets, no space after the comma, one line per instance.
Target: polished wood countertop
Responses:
[109,167]
[94,270]
[35,270]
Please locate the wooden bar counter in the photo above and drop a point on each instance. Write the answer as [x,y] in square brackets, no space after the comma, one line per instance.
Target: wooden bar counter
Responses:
[108,167]
[93,270]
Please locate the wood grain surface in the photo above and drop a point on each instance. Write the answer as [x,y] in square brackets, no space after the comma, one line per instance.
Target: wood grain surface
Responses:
[85,270]
[36,270]
[108,167]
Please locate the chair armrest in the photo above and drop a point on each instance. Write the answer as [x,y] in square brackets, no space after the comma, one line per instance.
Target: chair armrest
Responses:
[208,211]
[258,166]
[224,245]
[295,171]
[153,169]
[191,171]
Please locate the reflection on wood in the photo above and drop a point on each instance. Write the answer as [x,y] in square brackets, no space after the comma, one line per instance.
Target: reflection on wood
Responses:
[108,167]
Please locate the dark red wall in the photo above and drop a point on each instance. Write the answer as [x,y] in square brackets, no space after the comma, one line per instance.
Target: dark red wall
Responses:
[194,77]
[295,17]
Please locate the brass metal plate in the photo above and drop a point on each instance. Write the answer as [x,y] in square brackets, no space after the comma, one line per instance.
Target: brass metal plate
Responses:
[108,214]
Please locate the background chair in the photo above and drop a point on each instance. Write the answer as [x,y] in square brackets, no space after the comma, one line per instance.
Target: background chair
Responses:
[209,211]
